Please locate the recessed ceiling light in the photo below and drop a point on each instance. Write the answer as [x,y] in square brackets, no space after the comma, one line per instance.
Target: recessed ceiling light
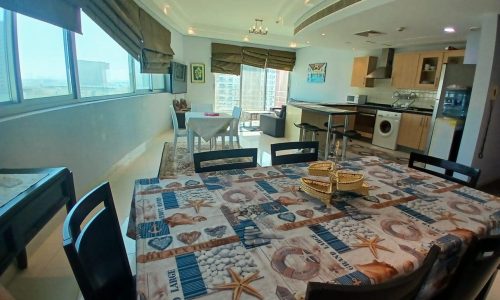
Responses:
[190,31]
[307,42]
[293,44]
[166,8]
[246,39]
[449,29]
[323,34]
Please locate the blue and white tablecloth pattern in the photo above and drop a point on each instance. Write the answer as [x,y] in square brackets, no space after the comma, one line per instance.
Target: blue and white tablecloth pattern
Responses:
[253,233]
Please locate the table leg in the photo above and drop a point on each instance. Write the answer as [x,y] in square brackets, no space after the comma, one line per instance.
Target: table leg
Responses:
[22,259]
[328,133]
[345,138]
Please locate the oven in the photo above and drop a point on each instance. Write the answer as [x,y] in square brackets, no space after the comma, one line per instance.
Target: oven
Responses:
[365,121]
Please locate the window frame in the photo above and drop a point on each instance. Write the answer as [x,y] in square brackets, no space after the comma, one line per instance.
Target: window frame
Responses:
[18,105]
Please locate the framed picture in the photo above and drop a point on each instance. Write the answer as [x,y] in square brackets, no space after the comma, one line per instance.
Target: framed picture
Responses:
[198,73]
[316,73]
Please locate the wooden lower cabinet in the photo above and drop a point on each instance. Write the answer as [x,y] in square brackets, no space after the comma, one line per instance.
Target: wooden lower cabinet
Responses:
[413,131]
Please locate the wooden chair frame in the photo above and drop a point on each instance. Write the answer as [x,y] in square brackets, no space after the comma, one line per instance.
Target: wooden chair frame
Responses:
[294,157]
[222,154]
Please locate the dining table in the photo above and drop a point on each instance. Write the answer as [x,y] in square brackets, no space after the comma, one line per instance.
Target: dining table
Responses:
[206,125]
[254,234]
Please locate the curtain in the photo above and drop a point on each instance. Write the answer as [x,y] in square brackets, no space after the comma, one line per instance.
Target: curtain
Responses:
[135,30]
[281,60]
[226,59]
[62,13]
[255,57]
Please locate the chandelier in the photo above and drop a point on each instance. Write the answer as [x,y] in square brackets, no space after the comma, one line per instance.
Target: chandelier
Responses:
[258,28]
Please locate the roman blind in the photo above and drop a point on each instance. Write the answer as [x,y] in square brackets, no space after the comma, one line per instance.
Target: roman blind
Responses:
[135,30]
[62,13]
[226,59]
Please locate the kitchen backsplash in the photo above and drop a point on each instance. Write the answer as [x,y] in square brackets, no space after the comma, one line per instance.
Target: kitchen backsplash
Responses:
[382,93]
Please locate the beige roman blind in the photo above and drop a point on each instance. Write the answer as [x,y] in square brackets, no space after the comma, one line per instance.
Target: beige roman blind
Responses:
[255,57]
[135,30]
[281,60]
[226,59]
[62,13]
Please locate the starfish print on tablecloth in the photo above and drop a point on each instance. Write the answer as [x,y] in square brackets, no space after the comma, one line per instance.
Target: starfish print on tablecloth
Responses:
[240,285]
[197,204]
[292,189]
[450,217]
[356,281]
[372,244]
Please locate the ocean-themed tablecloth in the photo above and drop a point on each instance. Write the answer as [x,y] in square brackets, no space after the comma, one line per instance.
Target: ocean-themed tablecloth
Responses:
[253,234]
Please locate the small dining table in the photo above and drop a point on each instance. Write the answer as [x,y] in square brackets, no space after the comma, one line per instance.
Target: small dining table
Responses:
[254,234]
[205,125]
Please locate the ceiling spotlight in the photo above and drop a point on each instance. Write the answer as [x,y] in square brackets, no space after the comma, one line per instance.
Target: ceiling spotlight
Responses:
[190,31]
[323,34]
[166,8]
[449,29]
[246,39]
[307,42]
[293,45]
[474,28]
[400,28]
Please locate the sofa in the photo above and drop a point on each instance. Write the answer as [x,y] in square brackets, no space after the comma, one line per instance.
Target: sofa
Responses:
[274,125]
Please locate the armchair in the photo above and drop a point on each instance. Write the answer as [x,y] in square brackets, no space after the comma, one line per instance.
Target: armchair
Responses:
[274,125]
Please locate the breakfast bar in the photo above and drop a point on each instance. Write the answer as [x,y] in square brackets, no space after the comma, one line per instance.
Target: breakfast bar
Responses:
[297,116]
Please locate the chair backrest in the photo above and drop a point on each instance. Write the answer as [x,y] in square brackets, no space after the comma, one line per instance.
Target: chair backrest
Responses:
[301,156]
[450,167]
[477,266]
[236,112]
[175,123]
[96,252]
[240,160]
[202,107]
[406,287]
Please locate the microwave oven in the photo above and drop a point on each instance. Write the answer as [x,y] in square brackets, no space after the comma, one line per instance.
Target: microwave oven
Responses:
[358,99]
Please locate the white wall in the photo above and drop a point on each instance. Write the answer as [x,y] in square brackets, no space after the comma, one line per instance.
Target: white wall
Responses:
[487,75]
[337,83]
[199,50]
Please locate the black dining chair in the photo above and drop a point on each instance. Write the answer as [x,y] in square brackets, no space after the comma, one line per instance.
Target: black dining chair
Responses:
[219,160]
[449,167]
[476,271]
[401,288]
[96,252]
[305,152]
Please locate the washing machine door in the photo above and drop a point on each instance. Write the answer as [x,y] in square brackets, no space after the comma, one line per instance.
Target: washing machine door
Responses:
[385,127]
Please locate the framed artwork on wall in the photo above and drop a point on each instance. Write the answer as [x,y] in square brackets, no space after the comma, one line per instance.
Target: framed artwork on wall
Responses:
[198,73]
[316,73]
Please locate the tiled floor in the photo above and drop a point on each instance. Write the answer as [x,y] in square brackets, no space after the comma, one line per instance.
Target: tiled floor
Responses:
[49,275]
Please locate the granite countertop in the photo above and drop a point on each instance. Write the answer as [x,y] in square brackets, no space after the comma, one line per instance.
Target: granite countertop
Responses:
[378,106]
[321,108]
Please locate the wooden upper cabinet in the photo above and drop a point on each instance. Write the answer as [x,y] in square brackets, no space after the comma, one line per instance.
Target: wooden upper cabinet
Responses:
[453,57]
[361,67]
[429,70]
[404,70]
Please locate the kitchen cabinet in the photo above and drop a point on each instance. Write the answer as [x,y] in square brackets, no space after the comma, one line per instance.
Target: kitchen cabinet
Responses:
[361,67]
[404,70]
[413,131]
[453,57]
[428,70]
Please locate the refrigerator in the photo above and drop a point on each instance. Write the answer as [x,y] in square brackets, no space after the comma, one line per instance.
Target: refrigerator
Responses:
[445,133]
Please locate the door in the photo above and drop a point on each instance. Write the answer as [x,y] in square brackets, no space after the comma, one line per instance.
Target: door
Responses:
[361,67]
[410,130]
[429,70]
[426,121]
[404,70]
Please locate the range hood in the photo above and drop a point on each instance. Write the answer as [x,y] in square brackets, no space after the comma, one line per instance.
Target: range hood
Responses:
[385,65]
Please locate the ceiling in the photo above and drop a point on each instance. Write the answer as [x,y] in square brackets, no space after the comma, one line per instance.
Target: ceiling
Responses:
[423,21]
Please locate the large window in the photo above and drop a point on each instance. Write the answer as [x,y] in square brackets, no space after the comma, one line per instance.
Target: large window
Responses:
[42,59]
[261,89]
[103,66]
[142,81]
[5,90]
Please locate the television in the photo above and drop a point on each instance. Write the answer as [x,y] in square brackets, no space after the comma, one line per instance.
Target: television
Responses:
[176,78]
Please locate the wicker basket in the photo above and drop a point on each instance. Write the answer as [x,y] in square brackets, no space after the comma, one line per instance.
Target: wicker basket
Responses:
[321,168]
[318,189]
[347,181]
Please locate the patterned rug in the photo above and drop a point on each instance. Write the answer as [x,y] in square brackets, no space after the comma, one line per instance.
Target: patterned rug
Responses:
[182,163]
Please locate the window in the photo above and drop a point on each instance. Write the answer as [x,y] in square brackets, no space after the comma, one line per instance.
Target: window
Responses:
[103,66]
[5,90]
[142,81]
[158,81]
[42,59]
[227,92]
[261,89]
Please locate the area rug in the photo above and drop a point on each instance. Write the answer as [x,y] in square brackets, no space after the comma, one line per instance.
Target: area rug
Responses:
[181,162]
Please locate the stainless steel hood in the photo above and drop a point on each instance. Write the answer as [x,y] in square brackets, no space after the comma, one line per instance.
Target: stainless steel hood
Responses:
[385,65]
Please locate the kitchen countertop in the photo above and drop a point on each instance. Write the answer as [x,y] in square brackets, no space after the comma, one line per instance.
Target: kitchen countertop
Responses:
[386,107]
[320,108]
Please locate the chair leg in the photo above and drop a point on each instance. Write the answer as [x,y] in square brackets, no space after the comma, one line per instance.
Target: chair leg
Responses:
[175,143]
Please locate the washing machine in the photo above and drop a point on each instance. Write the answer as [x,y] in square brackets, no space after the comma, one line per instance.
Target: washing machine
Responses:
[385,133]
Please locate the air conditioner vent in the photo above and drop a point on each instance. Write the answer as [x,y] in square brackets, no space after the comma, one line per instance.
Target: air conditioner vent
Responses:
[369,33]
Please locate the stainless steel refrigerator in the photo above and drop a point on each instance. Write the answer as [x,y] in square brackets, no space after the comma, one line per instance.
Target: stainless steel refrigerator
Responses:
[445,133]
